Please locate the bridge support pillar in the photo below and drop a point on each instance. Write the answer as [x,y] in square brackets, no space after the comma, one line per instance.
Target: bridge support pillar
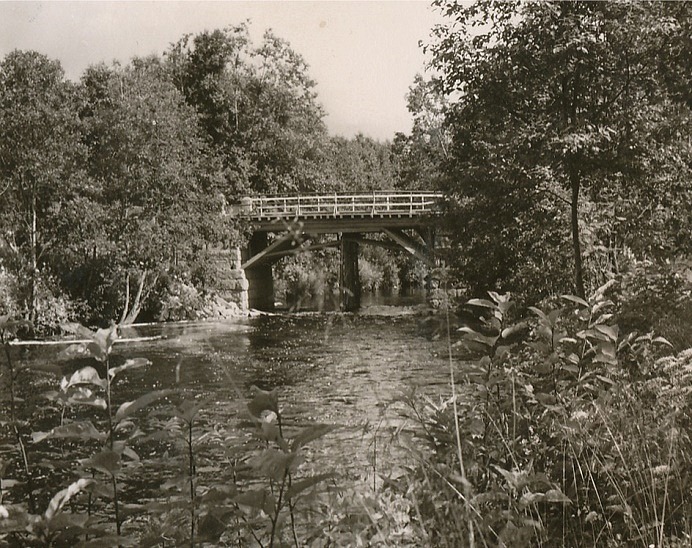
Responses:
[230,282]
[428,235]
[350,278]
[260,278]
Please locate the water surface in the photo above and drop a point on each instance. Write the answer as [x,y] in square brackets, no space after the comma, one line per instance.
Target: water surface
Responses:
[341,369]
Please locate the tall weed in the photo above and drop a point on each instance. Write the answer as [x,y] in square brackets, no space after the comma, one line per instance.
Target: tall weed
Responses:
[560,431]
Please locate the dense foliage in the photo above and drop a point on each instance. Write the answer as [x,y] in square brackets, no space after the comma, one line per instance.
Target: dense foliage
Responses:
[258,500]
[570,150]
[115,188]
[560,430]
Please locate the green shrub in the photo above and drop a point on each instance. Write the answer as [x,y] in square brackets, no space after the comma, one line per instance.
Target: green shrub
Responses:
[309,279]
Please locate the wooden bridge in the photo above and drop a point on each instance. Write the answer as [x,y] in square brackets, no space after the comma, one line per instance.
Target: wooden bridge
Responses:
[386,206]
[406,217]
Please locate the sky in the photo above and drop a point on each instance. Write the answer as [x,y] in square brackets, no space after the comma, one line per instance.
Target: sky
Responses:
[362,54]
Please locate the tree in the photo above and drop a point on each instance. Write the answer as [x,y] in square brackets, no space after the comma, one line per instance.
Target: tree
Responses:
[360,164]
[420,155]
[563,109]
[155,195]
[258,107]
[40,159]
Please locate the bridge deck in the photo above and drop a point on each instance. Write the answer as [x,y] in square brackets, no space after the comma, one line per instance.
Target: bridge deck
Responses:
[341,206]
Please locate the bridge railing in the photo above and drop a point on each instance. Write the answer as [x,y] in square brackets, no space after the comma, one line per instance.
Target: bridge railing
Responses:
[382,204]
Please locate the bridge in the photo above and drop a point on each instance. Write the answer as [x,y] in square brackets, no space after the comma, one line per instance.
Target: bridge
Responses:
[406,218]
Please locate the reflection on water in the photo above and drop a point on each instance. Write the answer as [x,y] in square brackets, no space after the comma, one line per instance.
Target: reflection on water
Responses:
[343,369]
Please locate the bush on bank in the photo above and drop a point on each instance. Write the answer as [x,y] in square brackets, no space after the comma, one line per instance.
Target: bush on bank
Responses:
[561,430]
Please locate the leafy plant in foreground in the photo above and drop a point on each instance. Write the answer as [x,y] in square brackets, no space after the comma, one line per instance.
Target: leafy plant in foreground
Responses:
[256,498]
[8,329]
[87,387]
[277,463]
[563,441]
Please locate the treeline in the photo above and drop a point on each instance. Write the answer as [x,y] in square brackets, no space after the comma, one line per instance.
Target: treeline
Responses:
[114,187]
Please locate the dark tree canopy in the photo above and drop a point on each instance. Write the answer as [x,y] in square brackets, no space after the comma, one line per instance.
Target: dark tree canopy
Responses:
[40,162]
[360,164]
[567,115]
[258,107]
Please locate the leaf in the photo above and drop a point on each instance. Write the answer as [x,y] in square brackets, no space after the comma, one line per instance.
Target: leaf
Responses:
[605,380]
[311,433]
[482,303]
[304,484]
[82,430]
[599,305]
[555,495]
[259,499]
[86,375]
[263,401]
[663,340]
[130,407]
[573,358]
[606,353]
[103,341]
[553,316]
[62,497]
[106,461]
[271,432]
[514,329]
[132,363]
[211,528]
[609,331]
[546,333]
[96,351]
[539,313]
[575,299]
[189,409]
[512,478]
[531,498]
[130,453]
[274,463]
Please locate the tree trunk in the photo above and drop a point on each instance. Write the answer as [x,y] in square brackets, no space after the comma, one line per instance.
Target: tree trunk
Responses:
[33,243]
[130,317]
[126,308]
[576,243]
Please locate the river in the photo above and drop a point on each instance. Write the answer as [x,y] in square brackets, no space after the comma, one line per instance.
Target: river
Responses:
[347,370]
